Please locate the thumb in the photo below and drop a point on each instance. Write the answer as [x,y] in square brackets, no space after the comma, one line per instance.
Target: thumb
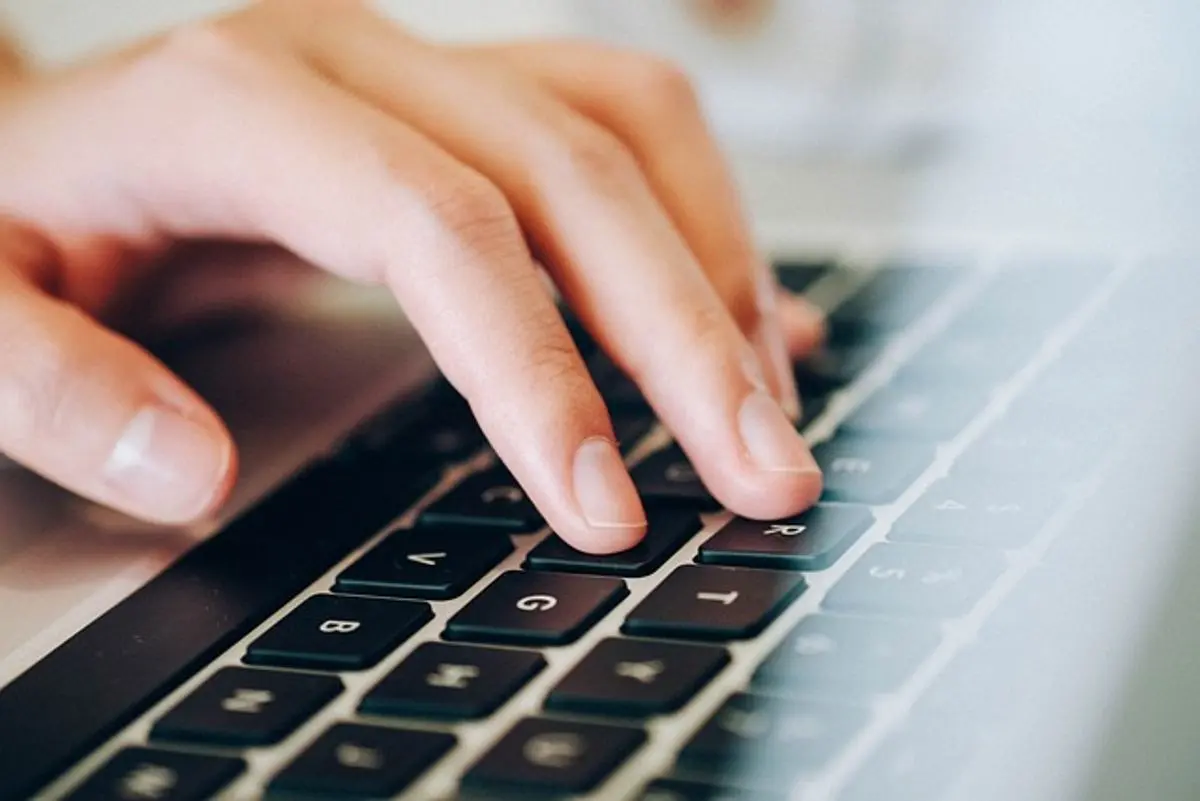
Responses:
[97,414]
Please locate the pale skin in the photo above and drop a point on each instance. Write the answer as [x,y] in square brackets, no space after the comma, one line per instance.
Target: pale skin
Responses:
[452,176]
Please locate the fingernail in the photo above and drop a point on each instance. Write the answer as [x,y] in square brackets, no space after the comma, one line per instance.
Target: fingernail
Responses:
[770,438]
[603,488]
[169,466]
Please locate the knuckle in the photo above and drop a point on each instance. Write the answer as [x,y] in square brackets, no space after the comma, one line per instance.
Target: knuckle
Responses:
[708,329]
[741,300]
[36,376]
[663,84]
[212,47]
[477,214]
[596,157]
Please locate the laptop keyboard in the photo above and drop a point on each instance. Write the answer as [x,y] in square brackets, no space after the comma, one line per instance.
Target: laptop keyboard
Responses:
[466,653]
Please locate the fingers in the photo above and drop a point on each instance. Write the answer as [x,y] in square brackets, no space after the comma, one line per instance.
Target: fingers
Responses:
[802,323]
[353,190]
[615,254]
[96,414]
[663,126]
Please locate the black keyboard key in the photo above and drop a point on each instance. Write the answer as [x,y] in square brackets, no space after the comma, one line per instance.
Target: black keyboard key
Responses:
[148,774]
[811,541]
[637,678]
[862,470]
[453,682]
[630,427]
[489,500]
[961,511]
[536,608]
[350,761]
[668,476]
[669,528]
[916,581]
[549,757]
[925,412]
[442,431]
[833,367]
[812,406]
[435,563]
[714,603]
[618,390]
[687,790]
[767,742]
[246,707]
[798,275]
[331,632]
[833,656]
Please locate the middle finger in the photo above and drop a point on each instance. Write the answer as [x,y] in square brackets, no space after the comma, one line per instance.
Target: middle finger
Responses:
[613,251]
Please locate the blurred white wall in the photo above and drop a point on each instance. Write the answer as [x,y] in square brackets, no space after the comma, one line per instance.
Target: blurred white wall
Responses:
[60,30]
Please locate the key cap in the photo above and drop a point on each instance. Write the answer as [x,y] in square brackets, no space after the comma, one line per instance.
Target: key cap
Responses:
[550,757]
[351,761]
[489,500]
[435,563]
[630,427]
[714,603]
[669,529]
[959,511]
[636,678]
[916,581]
[812,406]
[331,632]
[764,742]
[455,682]
[798,275]
[862,470]
[685,790]
[246,707]
[924,412]
[811,541]
[619,391]
[536,608]
[440,429]
[134,774]
[834,366]
[831,656]
[669,477]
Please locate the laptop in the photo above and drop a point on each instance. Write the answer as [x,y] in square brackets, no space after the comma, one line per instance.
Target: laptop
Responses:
[991,601]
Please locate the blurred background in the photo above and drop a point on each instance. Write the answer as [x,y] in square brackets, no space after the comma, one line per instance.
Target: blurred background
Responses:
[924,115]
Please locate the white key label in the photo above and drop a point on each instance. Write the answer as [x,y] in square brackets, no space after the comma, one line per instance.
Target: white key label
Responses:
[554,749]
[723,598]
[247,702]
[427,559]
[359,757]
[452,677]
[644,672]
[339,626]
[537,603]
[148,782]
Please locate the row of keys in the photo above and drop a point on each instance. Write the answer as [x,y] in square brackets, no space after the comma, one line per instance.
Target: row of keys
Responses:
[715,601]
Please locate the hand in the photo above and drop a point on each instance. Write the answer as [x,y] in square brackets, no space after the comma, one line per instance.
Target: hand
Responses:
[321,127]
